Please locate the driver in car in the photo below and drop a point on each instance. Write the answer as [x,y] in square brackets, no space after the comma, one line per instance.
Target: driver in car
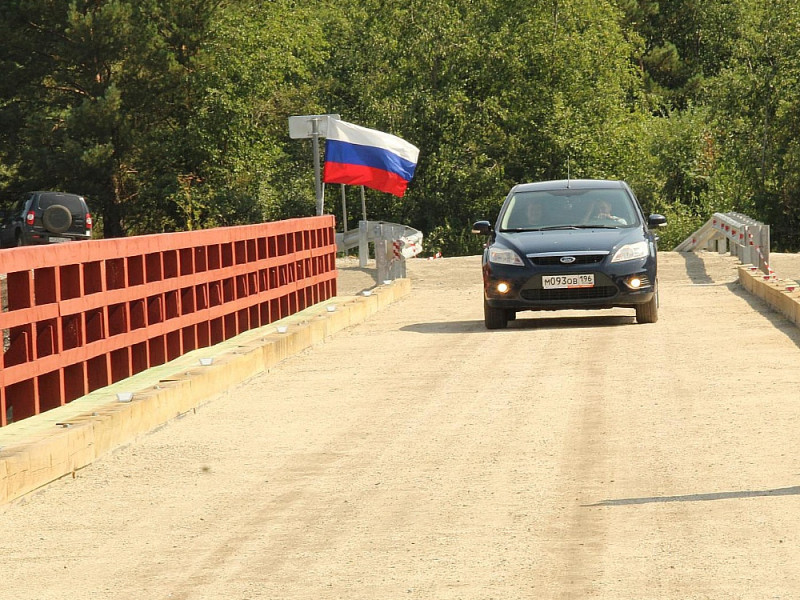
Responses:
[602,212]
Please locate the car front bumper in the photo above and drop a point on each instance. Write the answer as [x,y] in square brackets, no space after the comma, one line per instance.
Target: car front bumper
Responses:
[613,286]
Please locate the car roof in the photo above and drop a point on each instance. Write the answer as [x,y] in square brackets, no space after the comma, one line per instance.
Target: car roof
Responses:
[50,194]
[564,184]
[55,193]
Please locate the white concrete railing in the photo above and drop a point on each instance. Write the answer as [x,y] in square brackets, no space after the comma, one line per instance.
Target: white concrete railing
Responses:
[744,237]
[393,245]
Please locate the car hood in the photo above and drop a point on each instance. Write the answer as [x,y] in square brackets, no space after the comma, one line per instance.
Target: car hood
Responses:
[570,240]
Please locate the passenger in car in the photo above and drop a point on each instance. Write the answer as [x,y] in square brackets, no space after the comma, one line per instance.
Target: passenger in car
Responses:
[526,215]
[535,213]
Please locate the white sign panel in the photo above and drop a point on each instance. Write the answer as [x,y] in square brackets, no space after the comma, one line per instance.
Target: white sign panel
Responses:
[303,126]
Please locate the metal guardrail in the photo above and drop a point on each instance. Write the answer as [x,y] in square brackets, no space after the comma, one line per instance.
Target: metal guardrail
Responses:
[393,244]
[732,232]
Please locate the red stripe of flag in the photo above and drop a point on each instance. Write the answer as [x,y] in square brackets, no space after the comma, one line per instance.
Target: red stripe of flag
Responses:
[361,175]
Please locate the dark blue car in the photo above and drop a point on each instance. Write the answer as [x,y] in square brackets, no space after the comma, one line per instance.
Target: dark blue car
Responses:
[570,244]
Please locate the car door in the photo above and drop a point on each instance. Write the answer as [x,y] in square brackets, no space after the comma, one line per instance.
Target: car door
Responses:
[6,228]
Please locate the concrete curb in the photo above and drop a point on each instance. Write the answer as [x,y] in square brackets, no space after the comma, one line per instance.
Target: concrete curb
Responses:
[41,449]
[782,295]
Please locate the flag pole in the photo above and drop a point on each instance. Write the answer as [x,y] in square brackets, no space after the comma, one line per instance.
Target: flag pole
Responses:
[363,204]
[344,210]
[317,178]
[314,127]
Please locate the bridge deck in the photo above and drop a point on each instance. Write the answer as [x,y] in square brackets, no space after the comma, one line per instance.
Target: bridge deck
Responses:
[418,455]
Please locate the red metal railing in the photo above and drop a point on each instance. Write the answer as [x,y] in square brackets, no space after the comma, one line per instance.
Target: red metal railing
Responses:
[79,316]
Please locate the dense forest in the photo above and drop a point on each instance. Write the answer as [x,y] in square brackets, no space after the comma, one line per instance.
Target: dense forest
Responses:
[172,115]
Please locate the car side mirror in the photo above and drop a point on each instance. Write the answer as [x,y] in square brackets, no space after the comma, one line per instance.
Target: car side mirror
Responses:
[656,220]
[482,228]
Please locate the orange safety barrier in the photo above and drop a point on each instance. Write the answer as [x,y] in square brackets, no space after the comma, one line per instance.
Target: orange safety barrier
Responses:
[79,316]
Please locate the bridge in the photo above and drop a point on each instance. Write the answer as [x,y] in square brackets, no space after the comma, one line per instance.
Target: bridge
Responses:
[410,453]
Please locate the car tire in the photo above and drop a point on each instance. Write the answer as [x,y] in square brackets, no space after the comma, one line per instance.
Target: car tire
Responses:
[57,218]
[18,239]
[494,318]
[648,312]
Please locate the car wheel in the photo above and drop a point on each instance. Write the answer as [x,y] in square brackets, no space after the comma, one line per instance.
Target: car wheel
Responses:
[57,218]
[648,313]
[18,239]
[494,318]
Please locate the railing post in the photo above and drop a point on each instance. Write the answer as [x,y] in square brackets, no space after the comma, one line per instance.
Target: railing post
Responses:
[381,261]
[749,247]
[398,261]
[363,243]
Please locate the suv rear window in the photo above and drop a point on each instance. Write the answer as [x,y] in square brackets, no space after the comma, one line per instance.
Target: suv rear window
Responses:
[73,203]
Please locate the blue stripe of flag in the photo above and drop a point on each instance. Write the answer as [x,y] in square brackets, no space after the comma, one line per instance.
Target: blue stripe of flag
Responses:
[368,156]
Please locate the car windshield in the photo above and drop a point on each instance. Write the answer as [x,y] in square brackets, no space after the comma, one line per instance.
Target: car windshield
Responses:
[537,210]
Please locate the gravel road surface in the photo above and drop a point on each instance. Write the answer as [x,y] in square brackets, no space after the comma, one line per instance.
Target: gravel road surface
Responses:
[417,455]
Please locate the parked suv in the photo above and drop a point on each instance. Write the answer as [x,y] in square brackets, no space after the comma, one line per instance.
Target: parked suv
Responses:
[45,217]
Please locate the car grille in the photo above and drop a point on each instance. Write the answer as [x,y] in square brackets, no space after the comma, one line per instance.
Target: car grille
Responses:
[595,293]
[580,259]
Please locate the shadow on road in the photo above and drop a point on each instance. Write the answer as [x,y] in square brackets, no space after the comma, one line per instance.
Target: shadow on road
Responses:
[446,327]
[696,268]
[788,491]
[559,322]
[537,322]
[776,319]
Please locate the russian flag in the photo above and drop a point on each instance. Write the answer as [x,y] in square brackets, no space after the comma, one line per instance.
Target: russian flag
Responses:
[355,155]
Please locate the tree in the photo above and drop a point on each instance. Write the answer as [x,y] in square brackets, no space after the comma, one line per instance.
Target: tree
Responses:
[166,114]
[757,113]
[172,115]
[684,42]
[62,101]
[492,92]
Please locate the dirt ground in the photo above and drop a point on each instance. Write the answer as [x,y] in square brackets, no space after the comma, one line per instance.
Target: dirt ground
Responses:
[417,455]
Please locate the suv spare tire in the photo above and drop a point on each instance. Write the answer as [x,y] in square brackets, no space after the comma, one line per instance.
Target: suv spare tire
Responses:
[57,218]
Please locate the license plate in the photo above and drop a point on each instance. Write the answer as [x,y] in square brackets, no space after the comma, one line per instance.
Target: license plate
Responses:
[553,282]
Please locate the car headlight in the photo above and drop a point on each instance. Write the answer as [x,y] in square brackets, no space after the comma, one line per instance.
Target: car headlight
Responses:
[630,252]
[504,256]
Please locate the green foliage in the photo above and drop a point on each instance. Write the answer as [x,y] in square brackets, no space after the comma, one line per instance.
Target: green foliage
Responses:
[171,115]
[682,222]
[685,42]
[559,80]
[755,104]
[453,241]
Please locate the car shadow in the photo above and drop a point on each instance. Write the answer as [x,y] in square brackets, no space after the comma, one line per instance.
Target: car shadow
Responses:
[561,322]
[522,322]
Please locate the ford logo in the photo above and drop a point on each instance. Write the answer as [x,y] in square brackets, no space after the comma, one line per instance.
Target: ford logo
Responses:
[567,260]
